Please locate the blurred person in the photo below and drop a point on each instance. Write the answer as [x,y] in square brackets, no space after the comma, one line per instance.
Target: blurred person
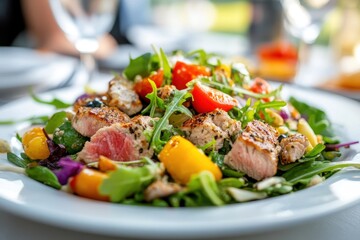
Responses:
[36,18]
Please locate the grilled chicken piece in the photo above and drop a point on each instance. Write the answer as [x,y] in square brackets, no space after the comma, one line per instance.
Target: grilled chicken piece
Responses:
[122,96]
[87,121]
[292,148]
[166,91]
[255,152]
[159,189]
[204,127]
[119,142]
[87,100]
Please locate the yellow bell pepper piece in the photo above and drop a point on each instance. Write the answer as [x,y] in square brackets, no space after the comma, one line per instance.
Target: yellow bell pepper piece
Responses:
[182,159]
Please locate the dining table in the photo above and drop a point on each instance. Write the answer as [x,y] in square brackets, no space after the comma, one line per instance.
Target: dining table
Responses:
[342,223]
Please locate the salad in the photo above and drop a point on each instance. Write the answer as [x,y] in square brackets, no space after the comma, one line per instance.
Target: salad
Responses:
[184,130]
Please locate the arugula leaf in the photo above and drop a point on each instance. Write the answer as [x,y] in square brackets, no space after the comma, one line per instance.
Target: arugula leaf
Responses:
[138,66]
[18,137]
[33,120]
[232,182]
[201,190]
[159,203]
[18,161]
[146,63]
[250,112]
[234,90]
[43,175]
[273,104]
[126,181]
[314,154]
[316,150]
[55,121]
[228,172]
[164,64]
[312,168]
[201,56]
[331,140]
[316,118]
[57,103]
[155,101]
[174,106]
[205,182]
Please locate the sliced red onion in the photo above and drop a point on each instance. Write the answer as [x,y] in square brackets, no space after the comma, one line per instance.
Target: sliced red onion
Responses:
[68,168]
[57,151]
[284,114]
[340,145]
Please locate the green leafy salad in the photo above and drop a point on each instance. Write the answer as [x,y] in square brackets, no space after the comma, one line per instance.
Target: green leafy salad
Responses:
[180,130]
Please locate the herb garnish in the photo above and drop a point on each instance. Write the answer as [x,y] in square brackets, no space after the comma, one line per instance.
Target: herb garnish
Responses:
[176,105]
[57,103]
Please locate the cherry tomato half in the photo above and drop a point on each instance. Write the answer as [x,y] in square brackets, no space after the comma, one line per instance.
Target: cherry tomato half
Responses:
[261,86]
[184,73]
[207,99]
[143,87]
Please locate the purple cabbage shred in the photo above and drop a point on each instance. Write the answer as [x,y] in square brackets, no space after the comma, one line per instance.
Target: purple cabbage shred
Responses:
[57,151]
[67,168]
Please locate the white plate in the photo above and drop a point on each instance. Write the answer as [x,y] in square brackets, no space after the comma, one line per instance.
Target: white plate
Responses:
[30,199]
[24,67]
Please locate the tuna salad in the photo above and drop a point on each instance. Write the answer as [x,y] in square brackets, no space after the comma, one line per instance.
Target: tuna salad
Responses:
[181,130]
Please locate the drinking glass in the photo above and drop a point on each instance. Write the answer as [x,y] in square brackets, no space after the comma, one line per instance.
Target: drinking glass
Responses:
[84,22]
[304,20]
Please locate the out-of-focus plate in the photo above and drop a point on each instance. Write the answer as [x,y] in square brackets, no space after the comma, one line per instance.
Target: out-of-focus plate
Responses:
[30,199]
[335,87]
[24,67]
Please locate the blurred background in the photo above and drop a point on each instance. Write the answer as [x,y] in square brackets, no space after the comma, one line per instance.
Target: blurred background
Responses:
[306,42]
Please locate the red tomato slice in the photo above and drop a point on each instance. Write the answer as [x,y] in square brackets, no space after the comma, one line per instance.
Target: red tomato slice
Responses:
[207,99]
[143,87]
[184,73]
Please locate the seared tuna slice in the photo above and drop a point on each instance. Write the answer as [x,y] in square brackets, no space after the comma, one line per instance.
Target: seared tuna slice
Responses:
[255,152]
[122,96]
[204,127]
[292,148]
[119,142]
[87,121]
